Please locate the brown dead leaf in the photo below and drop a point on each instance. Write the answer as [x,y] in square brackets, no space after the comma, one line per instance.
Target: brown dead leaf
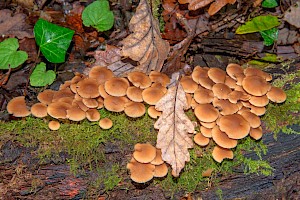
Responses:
[217,5]
[173,138]
[293,14]
[196,4]
[145,44]
[14,26]
[110,55]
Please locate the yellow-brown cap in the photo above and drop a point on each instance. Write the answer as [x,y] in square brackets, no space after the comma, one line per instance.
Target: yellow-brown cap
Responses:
[58,110]
[134,109]
[276,95]
[144,153]
[206,132]
[115,104]
[256,133]
[221,91]
[259,101]
[219,154]
[199,72]
[54,125]
[139,79]
[206,113]
[158,77]
[256,85]
[235,126]
[75,113]
[253,119]
[222,139]
[188,85]
[203,95]
[217,75]
[39,110]
[92,114]
[153,113]
[46,96]
[234,70]
[134,94]
[161,170]
[152,95]
[140,172]
[158,159]
[101,74]
[105,123]
[116,86]
[90,103]
[201,140]
[102,91]
[17,107]
[88,88]
[251,71]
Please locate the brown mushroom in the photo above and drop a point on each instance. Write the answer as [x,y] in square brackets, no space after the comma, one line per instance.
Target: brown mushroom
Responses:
[256,85]
[39,110]
[251,71]
[201,140]
[58,110]
[160,170]
[276,95]
[230,82]
[225,107]
[206,82]
[219,154]
[134,109]
[188,85]
[217,75]
[139,79]
[221,91]
[222,139]
[115,104]
[101,74]
[134,94]
[152,95]
[62,93]
[90,103]
[253,119]
[92,115]
[102,91]
[235,96]
[17,107]
[116,86]
[199,72]
[158,77]
[144,153]
[46,96]
[235,126]
[88,88]
[206,132]
[208,124]
[105,123]
[234,70]
[256,133]
[140,172]
[54,125]
[203,95]
[75,114]
[206,113]
[158,159]
[153,113]
[259,101]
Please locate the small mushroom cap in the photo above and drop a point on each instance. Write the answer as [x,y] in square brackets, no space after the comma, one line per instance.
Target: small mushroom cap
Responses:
[80,105]
[116,86]
[139,79]
[161,170]
[208,124]
[90,103]
[253,119]
[144,153]
[46,96]
[39,110]
[158,159]
[251,71]
[235,96]
[230,82]
[62,93]
[222,139]
[259,101]
[206,113]
[54,125]
[140,172]
[78,77]
[225,106]
[88,88]
[101,74]
[115,104]
[75,114]
[256,133]
[17,107]
[219,154]
[68,100]
[152,95]
[217,75]
[234,70]
[153,113]
[259,111]
[92,115]
[276,95]
[58,110]
[158,77]
[221,91]
[134,109]
[134,94]
[235,126]
[206,132]
[105,123]
[188,85]
[207,172]
[201,140]
[206,82]
[100,101]
[65,85]
[102,91]
[199,72]
[160,86]
[256,85]
[203,95]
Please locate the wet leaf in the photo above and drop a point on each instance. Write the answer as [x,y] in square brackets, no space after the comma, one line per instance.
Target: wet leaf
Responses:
[10,57]
[40,77]
[260,23]
[196,4]
[293,14]
[98,15]
[269,36]
[174,127]
[53,40]
[217,5]
[145,44]
[269,3]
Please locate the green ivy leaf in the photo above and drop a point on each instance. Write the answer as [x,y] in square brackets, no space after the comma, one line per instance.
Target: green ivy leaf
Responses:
[98,15]
[53,40]
[269,36]
[9,56]
[269,3]
[260,23]
[40,77]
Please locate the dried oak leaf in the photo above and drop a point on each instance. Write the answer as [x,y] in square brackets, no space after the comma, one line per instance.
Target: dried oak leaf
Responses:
[145,44]
[14,26]
[196,4]
[173,138]
[293,14]
[217,5]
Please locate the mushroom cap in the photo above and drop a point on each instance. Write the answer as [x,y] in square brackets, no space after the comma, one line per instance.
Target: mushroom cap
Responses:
[239,79]
[208,124]
[46,96]
[17,107]
[206,82]
[92,115]
[144,153]
[116,86]
[188,85]
[256,85]
[62,93]
[222,139]
[80,105]
[158,77]
[251,71]
[203,95]
[206,132]
[225,106]
[102,91]
[253,119]
[158,159]
[54,125]
[153,113]
[221,90]
[206,113]
[68,100]
[134,94]
[201,140]
[101,74]
[140,172]
[88,88]
[134,109]
[217,75]
[276,95]
[75,113]
[90,103]
[235,126]
[199,72]
[160,170]
[105,123]
[256,133]
[230,82]
[100,101]
[235,96]
[207,172]
[78,77]
[234,70]
[259,101]
[39,110]
[259,111]
[160,86]
[115,104]
[58,110]
[139,79]
[193,104]
[219,154]
[65,85]
[152,95]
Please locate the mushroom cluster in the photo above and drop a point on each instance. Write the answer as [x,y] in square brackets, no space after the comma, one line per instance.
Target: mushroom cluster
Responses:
[82,96]
[229,104]
[146,163]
